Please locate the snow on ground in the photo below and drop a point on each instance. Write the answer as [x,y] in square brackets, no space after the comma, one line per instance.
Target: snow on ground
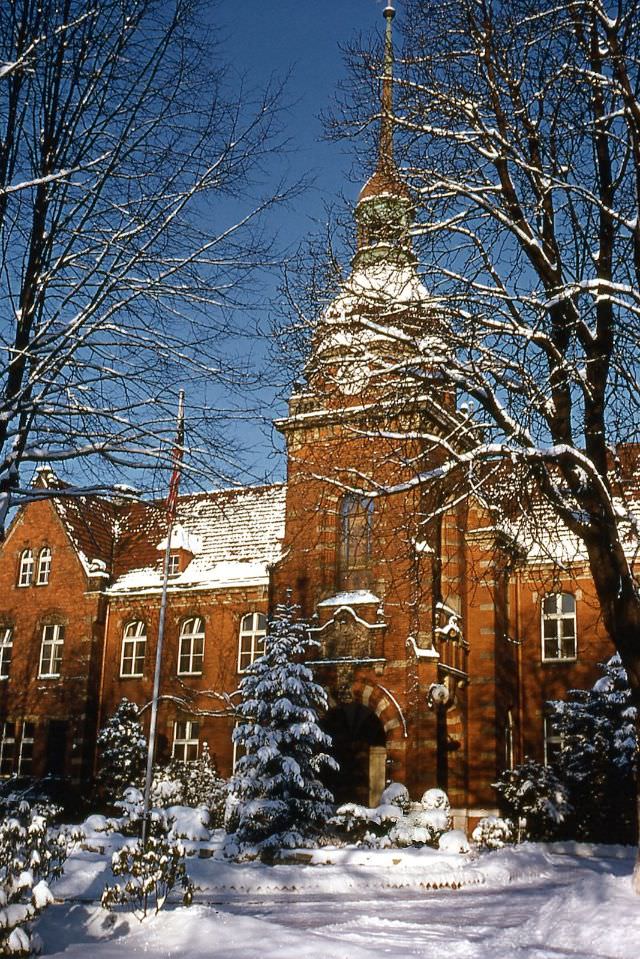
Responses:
[528,902]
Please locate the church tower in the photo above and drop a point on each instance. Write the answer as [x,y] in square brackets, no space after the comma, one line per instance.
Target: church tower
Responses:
[363,563]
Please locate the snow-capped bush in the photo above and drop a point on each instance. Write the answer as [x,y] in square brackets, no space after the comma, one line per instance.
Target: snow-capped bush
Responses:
[187,822]
[195,783]
[535,798]
[387,825]
[149,874]
[421,827]
[396,794]
[493,832]
[277,781]
[436,799]
[31,854]
[122,752]
[454,841]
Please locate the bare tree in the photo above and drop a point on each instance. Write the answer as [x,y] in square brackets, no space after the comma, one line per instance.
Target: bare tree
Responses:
[131,169]
[518,127]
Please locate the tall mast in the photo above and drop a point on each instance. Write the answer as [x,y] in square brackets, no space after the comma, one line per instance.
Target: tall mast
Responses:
[385,147]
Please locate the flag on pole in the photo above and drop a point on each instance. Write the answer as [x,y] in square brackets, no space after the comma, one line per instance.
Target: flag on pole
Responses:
[178,450]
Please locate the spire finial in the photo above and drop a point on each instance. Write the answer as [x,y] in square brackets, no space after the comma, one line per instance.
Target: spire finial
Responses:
[385,157]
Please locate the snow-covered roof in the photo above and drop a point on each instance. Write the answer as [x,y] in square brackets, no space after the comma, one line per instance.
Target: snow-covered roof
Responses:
[237,534]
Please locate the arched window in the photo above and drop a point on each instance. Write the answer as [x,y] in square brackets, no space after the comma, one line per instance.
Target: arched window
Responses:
[44,566]
[134,646]
[191,651]
[354,553]
[559,627]
[25,576]
[253,628]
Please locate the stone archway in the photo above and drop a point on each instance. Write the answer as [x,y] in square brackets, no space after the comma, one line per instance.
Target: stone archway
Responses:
[359,746]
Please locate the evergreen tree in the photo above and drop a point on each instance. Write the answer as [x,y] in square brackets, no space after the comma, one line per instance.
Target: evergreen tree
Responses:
[122,750]
[598,757]
[281,802]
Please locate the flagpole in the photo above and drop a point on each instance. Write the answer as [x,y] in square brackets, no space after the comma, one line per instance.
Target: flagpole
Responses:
[171,514]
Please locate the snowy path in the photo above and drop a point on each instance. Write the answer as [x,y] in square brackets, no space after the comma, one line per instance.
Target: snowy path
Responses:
[555,907]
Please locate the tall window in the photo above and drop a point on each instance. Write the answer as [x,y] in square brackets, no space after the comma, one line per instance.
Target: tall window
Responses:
[44,566]
[25,756]
[25,576]
[191,651]
[553,741]
[354,555]
[6,649]
[51,651]
[134,646]
[186,741]
[509,742]
[559,627]
[253,628]
[174,564]
[7,748]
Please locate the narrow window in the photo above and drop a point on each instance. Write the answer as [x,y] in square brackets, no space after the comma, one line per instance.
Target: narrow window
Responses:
[186,741]
[509,742]
[191,651]
[51,651]
[134,646]
[6,649]
[559,627]
[7,749]
[25,576]
[44,566]
[25,756]
[174,564]
[239,750]
[553,741]
[253,628]
[354,553]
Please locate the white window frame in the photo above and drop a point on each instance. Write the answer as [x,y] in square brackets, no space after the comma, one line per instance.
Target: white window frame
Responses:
[27,738]
[186,740]
[173,568]
[191,637]
[51,651]
[27,565]
[253,629]
[6,650]
[134,638]
[7,740]
[553,739]
[44,566]
[558,617]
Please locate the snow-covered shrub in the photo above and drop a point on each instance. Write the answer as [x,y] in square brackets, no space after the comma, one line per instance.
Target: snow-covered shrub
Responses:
[149,874]
[353,823]
[493,832]
[188,822]
[454,841]
[122,752]
[420,827]
[535,798]
[281,798]
[598,757]
[396,794]
[436,799]
[195,783]
[31,854]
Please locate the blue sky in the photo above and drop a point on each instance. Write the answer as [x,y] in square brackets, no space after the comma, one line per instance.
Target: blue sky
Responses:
[301,38]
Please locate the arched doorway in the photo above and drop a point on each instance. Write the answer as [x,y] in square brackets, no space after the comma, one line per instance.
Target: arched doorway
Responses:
[359,746]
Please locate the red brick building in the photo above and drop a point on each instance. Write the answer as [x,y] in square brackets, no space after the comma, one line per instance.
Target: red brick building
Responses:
[442,629]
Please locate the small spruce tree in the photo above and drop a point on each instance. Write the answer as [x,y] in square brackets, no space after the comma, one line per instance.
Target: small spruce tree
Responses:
[597,761]
[281,801]
[122,750]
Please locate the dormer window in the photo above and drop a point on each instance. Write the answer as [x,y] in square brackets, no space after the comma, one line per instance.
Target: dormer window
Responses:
[174,564]
[25,575]
[44,566]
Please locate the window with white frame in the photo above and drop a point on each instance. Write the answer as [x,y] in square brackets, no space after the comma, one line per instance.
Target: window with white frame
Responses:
[7,748]
[559,627]
[239,749]
[6,649]
[51,651]
[25,574]
[134,647]
[25,755]
[44,566]
[553,741]
[174,564]
[191,649]
[186,741]
[253,629]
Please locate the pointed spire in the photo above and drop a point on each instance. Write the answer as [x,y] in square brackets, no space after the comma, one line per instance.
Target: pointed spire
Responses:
[385,147]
